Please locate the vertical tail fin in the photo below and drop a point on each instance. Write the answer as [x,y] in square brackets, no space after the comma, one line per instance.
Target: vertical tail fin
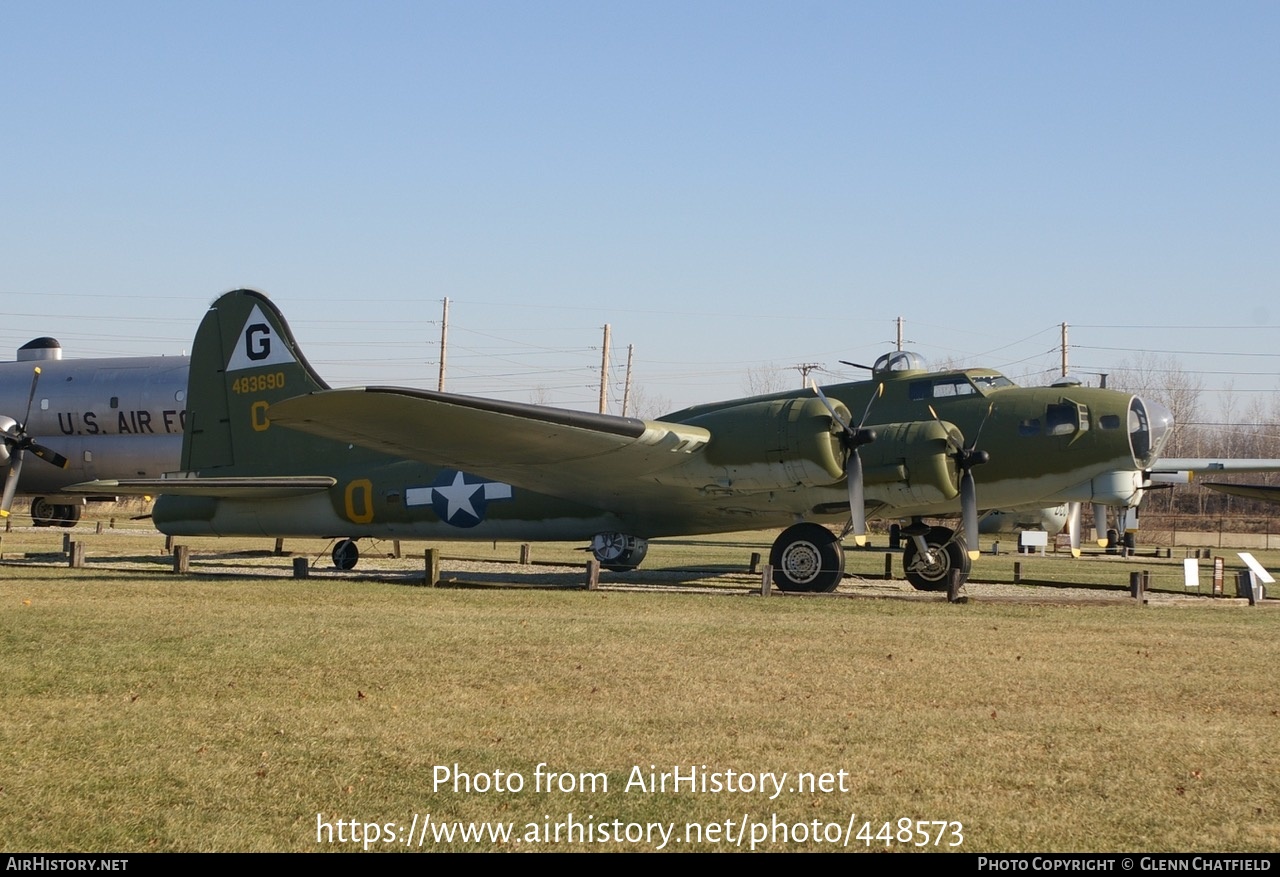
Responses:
[245,358]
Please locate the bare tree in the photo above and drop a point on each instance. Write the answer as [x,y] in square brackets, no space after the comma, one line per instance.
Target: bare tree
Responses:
[645,405]
[1164,380]
[763,379]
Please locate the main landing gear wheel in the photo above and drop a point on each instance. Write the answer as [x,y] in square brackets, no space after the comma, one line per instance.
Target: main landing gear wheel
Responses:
[807,558]
[346,554]
[619,552]
[47,514]
[44,513]
[948,552]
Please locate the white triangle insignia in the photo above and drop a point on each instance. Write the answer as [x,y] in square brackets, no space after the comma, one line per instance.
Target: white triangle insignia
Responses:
[258,345]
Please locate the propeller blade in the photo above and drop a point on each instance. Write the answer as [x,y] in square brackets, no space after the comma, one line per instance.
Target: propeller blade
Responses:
[1073,526]
[969,512]
[857,501]
[11,483]
[852,439]
[31,397]
[49,455]
[1100,524]
[826,403]
[867,412]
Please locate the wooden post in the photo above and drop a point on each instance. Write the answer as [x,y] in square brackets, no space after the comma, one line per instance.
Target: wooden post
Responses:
[1135,585]
[300,568]
[279,552]
[395,548]
[113,523]
[888,566]
[431,564]
[766,580]
[1017,572]
[593,574]
[526,553]
[77,555]
[168,544]
[181,558]
[99,530]
[754,567]
[66,543]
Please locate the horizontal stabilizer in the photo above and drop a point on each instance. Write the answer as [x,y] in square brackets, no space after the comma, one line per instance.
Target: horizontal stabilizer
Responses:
[224,488]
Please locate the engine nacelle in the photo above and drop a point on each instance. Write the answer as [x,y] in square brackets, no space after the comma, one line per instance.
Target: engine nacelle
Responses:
[771,444]
[911,463]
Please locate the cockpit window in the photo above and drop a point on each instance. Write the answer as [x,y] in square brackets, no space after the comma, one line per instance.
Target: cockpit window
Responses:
[948,387]
[992,382]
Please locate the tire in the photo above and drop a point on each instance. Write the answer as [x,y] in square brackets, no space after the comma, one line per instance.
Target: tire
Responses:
[346,554]
[43,513]
[949,553]
[807,558]
[68,515]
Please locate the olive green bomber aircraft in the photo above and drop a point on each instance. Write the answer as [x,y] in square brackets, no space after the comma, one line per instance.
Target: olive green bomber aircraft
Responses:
[271,450]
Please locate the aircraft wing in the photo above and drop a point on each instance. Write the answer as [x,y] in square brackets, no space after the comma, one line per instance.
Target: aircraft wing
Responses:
[551,450]
[224,488]
[1264,492]
[1202,465]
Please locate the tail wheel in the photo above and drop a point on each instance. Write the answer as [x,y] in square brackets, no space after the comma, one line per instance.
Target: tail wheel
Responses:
[807,558]
[346,554]
[948,552]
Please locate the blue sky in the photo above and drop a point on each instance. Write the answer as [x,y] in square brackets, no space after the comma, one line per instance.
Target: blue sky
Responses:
[729,185]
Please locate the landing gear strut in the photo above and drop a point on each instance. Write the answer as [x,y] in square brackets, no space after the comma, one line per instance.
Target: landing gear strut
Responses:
[807,557]
[346,554]
[931,554]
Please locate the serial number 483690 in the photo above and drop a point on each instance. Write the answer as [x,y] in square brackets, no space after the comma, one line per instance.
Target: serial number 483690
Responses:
[258,383]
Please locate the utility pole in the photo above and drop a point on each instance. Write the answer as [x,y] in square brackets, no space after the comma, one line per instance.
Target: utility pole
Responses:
[1064,350]
[626,388]
[604,373]
[444,343]
[804,368]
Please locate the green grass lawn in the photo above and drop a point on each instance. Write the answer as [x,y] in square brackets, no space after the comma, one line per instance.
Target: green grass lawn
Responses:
[146,711]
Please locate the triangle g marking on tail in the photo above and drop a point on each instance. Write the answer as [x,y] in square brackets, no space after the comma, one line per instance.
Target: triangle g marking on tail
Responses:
[258,345]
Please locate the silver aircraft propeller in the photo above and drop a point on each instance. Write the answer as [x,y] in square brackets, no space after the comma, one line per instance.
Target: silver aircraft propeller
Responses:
[17,442]
[1074,510]
[852,439]
[966,458]
[1100,524]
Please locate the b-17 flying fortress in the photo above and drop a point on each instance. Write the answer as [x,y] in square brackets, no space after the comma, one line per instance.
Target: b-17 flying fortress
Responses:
[271,450]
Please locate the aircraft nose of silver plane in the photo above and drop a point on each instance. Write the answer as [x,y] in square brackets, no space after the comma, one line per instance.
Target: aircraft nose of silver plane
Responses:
[1150,425]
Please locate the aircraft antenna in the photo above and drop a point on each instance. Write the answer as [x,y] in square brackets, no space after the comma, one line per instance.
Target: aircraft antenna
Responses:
[899,333]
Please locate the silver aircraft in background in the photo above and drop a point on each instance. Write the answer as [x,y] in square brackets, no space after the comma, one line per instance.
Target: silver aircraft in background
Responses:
[85,419]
